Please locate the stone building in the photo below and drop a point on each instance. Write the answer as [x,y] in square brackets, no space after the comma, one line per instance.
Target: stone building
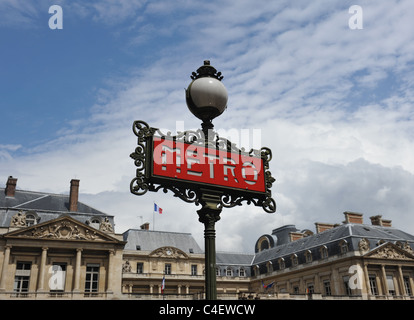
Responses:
[349,260]
[54,247]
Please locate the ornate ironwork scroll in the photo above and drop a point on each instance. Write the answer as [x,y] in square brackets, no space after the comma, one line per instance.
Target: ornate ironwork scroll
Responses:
[145,180]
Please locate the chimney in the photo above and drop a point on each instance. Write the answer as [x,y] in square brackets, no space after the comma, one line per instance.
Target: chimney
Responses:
[145,226]
[11,186]
[386,223]
[74,194]
[321,227]
[378,221]
[353,217]
[295,236]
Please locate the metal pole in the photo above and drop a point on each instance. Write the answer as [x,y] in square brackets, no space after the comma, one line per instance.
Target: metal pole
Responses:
[209,214]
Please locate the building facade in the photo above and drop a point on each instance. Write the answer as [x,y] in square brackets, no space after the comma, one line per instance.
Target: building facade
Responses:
[54,247]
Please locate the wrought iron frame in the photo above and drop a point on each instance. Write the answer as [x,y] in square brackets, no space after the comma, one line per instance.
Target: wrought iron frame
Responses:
[193,192]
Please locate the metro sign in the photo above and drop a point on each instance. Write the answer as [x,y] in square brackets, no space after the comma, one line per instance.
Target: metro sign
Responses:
[192,166]
[198,164]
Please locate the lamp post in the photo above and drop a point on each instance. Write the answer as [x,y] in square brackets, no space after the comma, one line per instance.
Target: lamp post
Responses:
[206,98]
[186,165]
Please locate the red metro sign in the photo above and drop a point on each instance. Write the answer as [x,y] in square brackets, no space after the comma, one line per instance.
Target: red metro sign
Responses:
[197,164]
[196,168]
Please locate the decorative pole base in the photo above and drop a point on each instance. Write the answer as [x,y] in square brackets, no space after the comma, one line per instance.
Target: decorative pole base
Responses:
[209,214]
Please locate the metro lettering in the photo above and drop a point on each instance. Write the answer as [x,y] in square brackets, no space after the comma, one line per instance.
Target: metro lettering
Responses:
[213,166]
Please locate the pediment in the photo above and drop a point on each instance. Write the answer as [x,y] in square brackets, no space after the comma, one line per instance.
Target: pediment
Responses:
[389,250]
[169,252]
[62,228]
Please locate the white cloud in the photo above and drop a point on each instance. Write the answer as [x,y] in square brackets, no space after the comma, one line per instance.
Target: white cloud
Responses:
[341,137]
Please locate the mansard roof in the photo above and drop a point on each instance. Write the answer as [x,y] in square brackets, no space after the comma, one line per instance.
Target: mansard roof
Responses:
[148,240]
[48,205]
[349,232]
[233,258]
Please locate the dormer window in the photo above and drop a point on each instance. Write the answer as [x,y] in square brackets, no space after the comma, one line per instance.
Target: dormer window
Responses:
[30,220]
[308,256]
[324,252]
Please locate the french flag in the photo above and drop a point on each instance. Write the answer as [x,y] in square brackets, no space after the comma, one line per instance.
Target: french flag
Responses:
[163,284]
[157,208]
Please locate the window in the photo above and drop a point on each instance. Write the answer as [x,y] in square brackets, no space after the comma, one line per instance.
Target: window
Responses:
[242,272]
[324,252]
[193,269]
[138,247]
[282,264]
[346,285]
[30,220]
[390,284]
[58,277]
[229,272]
[167,268]
[407,286]
[294,259]
[217,271]
[373,284]
[92,278]
[310,289]
[140,267]
[295,290]
[308,256]
[95,223]
[343,246]
[327,287]
[22,277]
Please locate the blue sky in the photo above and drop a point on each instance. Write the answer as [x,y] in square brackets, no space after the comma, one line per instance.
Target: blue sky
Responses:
[335,105]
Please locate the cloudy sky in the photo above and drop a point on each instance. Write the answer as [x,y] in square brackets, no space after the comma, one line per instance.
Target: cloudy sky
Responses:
[334,103]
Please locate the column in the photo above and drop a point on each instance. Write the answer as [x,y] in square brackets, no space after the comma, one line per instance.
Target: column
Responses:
[76,287]
[5,268]
[367,285]
[110,271]
[42,271]
[401,282]
[187,289]
[384,280]
[179,289]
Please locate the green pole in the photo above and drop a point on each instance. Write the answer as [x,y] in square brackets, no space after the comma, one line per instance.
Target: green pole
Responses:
[209,214]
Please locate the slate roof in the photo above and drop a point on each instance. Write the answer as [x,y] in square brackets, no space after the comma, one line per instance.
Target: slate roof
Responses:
[47,205]
[231,258]
[352,233]
[149,240]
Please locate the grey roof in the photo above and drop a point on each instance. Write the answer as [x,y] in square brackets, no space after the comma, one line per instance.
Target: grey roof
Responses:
[352,233]
[229,258]
[29,200]
[148,240]
[47,205]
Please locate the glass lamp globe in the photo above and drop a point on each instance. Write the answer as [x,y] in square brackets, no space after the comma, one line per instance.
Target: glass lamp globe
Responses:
[206,96]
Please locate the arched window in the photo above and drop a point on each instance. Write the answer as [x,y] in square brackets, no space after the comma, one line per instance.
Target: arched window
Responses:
[324,252]
[294,259]
[282,264]
[343,245]
[31,218]
[308,256]
[229,272]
